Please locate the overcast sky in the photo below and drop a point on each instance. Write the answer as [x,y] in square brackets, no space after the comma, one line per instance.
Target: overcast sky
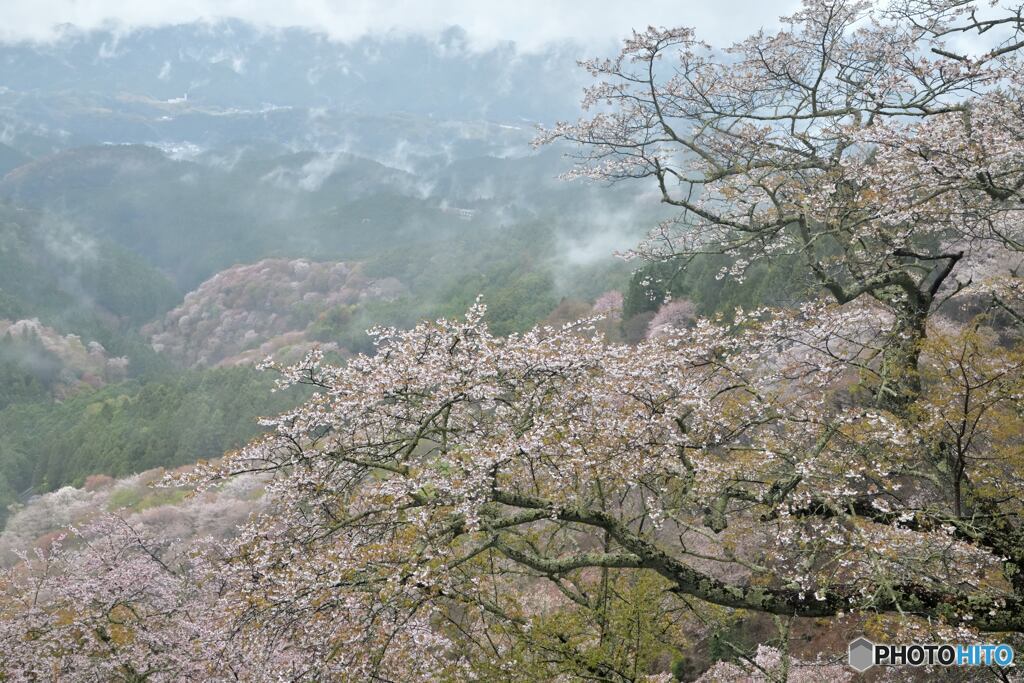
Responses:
[530,23]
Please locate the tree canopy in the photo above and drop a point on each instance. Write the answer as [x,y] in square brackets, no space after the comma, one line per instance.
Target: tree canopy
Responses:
[553,505]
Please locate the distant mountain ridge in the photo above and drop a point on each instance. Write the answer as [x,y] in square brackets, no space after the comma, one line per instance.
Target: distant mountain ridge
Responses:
[154,81]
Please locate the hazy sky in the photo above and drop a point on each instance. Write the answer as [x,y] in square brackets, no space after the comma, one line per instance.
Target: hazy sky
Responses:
[531,23]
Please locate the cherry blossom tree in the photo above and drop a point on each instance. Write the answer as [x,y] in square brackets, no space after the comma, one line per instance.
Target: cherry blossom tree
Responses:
[859,137]
[672,316]
[769,665]
[555,506]
[463,506]
[427,492]
[106,604]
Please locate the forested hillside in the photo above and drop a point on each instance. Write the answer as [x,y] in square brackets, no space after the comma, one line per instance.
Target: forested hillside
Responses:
[146,243]
[382,359]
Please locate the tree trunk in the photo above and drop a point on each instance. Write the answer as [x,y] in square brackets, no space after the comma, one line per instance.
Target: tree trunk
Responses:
[900,382]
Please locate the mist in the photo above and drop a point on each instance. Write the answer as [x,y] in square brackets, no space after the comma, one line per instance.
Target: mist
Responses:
[192,191]
[187,192]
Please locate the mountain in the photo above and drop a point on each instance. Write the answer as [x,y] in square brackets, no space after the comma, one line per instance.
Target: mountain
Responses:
[230,63]
[37,362]
[178,202]
[214,83]
[245,313]
[51,270]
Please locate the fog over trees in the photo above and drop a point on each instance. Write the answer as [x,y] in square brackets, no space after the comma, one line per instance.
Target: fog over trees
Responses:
[371,399]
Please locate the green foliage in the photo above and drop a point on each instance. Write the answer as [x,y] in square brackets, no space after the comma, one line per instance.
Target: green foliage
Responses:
[11,308]
[519,270]
[137,499]
[134,426]
[332,324]
[49,270]
[27,370]
[127,497]
[518,305]
[115,234]
[627,632]
[516,269]
[765,283]
[120,282]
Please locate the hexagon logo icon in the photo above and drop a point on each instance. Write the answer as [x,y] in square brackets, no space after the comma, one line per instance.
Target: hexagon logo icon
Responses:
[862,653]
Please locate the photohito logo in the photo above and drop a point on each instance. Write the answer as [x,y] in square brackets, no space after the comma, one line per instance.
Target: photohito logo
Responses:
[864,654]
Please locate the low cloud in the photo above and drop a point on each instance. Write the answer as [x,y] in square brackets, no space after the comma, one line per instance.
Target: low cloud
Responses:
[531,24]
